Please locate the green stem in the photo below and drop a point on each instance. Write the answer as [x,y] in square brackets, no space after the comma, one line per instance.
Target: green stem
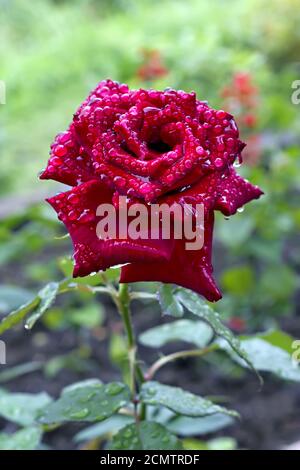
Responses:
[122,301]
[123,305]
[178,355]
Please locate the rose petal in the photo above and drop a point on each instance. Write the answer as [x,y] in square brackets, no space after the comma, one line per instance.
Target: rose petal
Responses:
[234,191]
[187,268]
[69,163]
[77,210]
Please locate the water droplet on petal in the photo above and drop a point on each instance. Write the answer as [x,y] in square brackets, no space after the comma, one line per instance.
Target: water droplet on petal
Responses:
[121,182]
[73,198]
[60,150]
[218,162]
[56,161]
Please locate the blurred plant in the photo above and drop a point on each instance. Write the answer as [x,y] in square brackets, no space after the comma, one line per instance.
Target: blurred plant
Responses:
[153,66]
[119,409]
[260,245]
[241,98]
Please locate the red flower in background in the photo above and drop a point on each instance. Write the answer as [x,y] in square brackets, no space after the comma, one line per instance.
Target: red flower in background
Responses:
[242,90]
[237,324]
[151,146]
[241,98]
[152,67]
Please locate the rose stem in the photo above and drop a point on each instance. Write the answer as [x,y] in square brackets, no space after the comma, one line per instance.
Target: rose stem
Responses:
[122,301]
[178,355]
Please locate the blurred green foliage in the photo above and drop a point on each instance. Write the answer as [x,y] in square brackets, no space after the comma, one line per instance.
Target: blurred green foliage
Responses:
[52,53]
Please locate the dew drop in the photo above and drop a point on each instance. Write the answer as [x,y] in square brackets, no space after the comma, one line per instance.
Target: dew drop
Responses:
[80,414]
[200,150]
[114,389]
[73,198]
[218,162]
[72,215]
[60,150]
[56,161]
[145,188]
[86,216]
[121,182]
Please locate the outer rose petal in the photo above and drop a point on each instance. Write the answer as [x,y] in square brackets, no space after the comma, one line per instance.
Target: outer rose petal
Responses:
[234,191]
[188,268]
[69,163]
[204,192]
[77,209]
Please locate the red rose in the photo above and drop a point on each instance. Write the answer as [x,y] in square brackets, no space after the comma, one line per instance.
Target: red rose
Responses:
[152,146]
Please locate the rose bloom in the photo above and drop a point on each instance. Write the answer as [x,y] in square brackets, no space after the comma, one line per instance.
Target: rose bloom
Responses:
[153,147]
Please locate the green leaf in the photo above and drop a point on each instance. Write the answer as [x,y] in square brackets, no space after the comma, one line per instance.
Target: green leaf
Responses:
[66,266]
[47,296]
[267,358]
[11,297]
[81,384]
[13,372]
[90,315]
[118,355]
[199,307]
[75,360]
[235,231]
[110,426]
[180,401]
[36,307]
[113,274]
[25,439]
[90,402]
[147,436]
[278,338]
[194,444]
[41,303]
[220,443]
[146,287]
[168,302]
[238,280]
[22,408]
[190,331]
[18,315]
[278,284]
[185,426]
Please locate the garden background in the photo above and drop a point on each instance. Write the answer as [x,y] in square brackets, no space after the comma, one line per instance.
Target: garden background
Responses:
[240,56]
